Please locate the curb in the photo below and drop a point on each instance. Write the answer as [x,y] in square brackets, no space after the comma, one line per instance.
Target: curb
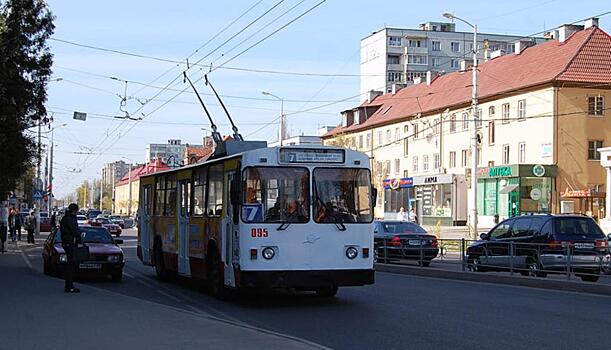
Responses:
[567,286]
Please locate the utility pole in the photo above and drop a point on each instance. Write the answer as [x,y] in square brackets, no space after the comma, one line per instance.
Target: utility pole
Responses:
[129,200]
[38,180]
[282,126]
[113,189]
[50,195]
[101,194]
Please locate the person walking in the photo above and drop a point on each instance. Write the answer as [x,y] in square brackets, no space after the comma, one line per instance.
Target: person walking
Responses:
[71,237]
[3,225]
[53,221]
[412,216]
[402,215]
[30,226]
[18,223]
[11,224]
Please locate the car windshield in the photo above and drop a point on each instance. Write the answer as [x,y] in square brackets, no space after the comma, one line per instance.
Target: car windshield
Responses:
[81,217]
[115,217]
[342,195]
[576,228]
[95,235]
[92,214]
[401,227]
[276,194]
[103,221]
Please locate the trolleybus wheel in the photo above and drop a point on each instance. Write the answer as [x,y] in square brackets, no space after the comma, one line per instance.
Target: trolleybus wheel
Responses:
[327,292]
[160,271]
[216,285]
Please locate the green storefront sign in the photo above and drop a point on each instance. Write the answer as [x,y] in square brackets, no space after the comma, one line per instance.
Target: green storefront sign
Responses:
[517,170]
[500,171]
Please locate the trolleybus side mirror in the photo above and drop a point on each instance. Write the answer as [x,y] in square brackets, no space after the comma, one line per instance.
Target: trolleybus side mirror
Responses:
[374,196]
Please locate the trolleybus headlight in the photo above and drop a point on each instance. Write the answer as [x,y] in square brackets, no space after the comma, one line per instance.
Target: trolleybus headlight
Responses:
[351,252]
[268,253]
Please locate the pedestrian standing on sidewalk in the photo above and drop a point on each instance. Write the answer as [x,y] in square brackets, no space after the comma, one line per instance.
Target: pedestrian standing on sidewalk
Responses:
[412,216]
[71,237]
[3,224]
[402,215]
[18,223]
[11,224]
[30,226]
[53,222]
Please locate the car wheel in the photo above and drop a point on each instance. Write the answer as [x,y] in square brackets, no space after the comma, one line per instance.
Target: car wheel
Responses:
[474,264]
[117,276]
[589,278]
[327,292]
[534,268]
[424,263]
[160,271]
[216,285]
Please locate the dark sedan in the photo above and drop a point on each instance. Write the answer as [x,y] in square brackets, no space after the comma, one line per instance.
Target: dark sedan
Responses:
[108,224]
[404,240]
[105,255]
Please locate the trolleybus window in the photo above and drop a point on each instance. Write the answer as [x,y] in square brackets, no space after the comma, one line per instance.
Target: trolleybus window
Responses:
[215,190]
[273,194]
[159,195]
[342,195]
[170,207]
[199,191]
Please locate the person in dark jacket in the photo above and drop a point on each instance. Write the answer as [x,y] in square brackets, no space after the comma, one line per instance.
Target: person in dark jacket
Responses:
[30,226]
[53,221]
[71,237]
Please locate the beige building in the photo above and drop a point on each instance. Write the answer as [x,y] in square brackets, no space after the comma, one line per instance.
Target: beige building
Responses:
[541,117]
[122,195]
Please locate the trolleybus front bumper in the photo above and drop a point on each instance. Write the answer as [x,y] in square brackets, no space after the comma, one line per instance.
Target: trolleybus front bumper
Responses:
[306,279]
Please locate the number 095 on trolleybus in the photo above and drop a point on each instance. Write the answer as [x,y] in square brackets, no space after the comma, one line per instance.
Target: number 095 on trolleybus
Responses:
[285,217]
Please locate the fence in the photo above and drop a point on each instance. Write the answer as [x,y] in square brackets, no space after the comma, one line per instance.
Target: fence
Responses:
[572,259]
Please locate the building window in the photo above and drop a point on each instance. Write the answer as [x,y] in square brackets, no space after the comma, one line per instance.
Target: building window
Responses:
[379,168]
[454,63]
[415,164]
[491,131]
[387,168]
[405,173]
[464,157]
[394,41]
[388,136]
[596,105]
[522,152]
[415,131]
[491,112]
[425,162]
[436,45]
[505,154]
[413,75]
[505,113]
[405,147]
[521,109]
[455,46]
[435,61]
[478,118]
[397,166]
[436,161]
[436,126]
[452,159]
[394,59]
[360,141]
[417,59]
[417,43]
[453,123]
[465,121]
[379,138]
[368,141]
[593,147]
[394,76]
[397,134]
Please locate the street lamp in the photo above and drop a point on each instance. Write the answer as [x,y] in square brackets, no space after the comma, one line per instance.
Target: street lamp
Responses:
[474,113]
[282,127]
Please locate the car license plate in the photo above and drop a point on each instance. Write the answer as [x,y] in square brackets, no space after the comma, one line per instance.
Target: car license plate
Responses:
[413,242]
[89,266]
[584,245]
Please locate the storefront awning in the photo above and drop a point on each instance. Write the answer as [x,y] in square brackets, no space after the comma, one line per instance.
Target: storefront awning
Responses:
[508,188]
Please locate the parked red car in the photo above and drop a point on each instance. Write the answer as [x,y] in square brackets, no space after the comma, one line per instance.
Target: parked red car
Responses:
[105,255]
[108,224]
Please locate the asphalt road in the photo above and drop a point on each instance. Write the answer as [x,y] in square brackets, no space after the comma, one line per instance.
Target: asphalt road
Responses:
[398,312]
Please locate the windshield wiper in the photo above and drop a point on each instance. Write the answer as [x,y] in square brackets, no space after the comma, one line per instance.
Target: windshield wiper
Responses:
[338,223]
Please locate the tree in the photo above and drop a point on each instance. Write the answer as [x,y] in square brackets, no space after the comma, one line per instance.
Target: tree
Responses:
[25,68]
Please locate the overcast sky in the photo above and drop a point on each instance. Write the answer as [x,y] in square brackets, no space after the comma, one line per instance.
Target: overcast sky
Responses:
[324,41]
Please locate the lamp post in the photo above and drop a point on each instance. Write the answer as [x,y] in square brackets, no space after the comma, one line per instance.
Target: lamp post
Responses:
[474,113]
[51,168]
[282,126]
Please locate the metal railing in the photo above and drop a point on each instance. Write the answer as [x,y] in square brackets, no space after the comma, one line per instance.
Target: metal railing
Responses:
[584,260]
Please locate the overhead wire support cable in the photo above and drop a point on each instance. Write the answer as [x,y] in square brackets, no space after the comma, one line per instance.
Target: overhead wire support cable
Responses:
[236,134]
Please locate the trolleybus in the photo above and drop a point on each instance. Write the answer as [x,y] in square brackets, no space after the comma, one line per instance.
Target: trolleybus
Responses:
[288,217]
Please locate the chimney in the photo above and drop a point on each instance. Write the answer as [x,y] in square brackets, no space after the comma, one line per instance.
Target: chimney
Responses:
[463,65]
[417,80]
[372,94]
[592,22]
[486,54]
[430,76]
[521,45]
[566,30]
[394,88]
[497,53]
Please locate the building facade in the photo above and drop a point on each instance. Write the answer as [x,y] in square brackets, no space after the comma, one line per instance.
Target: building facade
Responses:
[402,56]
[126,200]
[541,117]
[113,172]
[170,153]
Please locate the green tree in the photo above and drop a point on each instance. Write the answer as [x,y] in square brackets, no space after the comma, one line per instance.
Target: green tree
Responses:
[25,68]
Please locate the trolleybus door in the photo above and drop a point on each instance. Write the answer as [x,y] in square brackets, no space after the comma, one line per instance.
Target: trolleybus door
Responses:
[230,233]
[144,224]
[184,190]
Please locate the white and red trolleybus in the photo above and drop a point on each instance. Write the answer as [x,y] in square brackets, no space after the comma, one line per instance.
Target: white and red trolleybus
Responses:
[290,217]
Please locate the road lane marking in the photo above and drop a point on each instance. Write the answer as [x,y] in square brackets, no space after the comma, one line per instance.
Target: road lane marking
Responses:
[25,258]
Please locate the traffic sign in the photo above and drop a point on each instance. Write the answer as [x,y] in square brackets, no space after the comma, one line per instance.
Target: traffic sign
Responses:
[80,116]
[38,194]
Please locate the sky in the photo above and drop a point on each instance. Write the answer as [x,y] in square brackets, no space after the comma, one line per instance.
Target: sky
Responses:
[324,42]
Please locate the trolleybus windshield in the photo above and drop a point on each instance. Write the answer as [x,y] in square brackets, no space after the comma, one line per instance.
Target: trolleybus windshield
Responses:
[276,194]
[342,195]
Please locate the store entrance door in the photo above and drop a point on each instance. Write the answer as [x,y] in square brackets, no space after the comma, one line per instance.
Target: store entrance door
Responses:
[514,203]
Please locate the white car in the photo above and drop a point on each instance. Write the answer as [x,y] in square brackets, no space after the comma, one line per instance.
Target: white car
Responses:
[81,220]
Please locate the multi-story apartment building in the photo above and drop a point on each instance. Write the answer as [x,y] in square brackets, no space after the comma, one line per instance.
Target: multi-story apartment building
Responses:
[401,56]
[113,172]
[542,116]
[170,153]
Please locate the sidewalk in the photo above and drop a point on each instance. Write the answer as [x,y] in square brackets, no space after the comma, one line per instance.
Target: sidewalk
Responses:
[35,312]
